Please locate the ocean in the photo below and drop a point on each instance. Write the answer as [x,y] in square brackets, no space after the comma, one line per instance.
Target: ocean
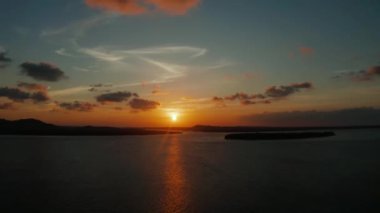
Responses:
[191,172]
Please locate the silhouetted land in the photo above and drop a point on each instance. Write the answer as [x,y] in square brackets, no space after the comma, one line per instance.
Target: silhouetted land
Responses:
[278,136]
[36,127]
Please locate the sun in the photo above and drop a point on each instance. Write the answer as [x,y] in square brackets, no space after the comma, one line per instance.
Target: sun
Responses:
[174,116]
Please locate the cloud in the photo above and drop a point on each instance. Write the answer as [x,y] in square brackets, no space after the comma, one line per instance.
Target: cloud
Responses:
[63,52]
[76,29]
[306,51]
[4,60]
[172,70]
[100,85]
[137,7]
[160,57]
[160,50]
[77,106]
[7,106]
[32,86]
[272,93]
[115,97]
[362,75]
[343,117]
[244,98]
[219,101]
[144,105]
[42,71]
[17,95]
[96,87]
[283,91]
[39,97]
[110,55]
[175,7]
[101,54]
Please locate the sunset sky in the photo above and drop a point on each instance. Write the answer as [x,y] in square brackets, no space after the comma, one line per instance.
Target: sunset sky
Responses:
[215,62]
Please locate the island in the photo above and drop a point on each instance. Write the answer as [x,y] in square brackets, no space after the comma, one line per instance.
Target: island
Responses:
[277,135]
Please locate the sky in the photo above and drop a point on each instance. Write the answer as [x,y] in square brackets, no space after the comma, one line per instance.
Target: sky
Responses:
[211,62]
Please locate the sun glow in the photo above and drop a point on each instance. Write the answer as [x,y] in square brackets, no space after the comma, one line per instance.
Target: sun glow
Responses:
[174,116]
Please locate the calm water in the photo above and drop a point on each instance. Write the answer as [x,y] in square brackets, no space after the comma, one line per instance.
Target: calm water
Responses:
[193,172]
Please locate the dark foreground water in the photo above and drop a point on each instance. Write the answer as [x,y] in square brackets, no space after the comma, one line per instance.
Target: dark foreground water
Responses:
[193,172]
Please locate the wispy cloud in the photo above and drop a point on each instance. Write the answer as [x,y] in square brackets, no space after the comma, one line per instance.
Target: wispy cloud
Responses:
[364,75]
[101,54]
[77,28]
[63,52]
[271,94]
[194,52]
[109,54]
[173,70]
[147,55]
[160,57]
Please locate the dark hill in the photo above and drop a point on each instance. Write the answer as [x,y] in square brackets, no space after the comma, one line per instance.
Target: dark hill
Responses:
[37,127]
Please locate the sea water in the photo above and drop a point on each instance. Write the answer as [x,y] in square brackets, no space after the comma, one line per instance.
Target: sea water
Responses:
[191,172]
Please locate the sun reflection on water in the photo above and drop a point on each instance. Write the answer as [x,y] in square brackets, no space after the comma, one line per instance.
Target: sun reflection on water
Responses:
[175,198]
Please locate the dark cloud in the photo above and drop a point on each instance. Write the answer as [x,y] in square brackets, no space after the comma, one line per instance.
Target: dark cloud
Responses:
[237,96]
[4,60]
[97,87]
[283,91]
[32,86]
[6,106]
[40,96]
[14,94]
[272,93]
[219,101]
[42,71]
[115,97]
[244,98]
[362,75]
[144,105]
[344,117]
[17,95]
[101,85]
[136,7]
[77,106]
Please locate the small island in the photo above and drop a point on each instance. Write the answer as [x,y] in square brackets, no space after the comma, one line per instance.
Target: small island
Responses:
[278,135]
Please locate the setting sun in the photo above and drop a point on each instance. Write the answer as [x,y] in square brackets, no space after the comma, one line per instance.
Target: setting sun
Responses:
[174,116]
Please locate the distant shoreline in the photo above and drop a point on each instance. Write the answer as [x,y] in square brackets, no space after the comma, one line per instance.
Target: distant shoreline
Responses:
[37,127]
